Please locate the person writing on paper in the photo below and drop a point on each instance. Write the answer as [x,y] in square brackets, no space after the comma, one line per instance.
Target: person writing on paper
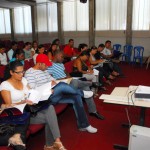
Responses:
[14,92]
[62,92]
[57,70]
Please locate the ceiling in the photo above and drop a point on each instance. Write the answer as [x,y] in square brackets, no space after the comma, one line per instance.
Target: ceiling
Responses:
[18,3]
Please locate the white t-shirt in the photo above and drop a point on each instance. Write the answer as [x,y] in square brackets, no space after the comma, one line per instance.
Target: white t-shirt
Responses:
[3,59]
[16,95]
[106,51]
[10,54]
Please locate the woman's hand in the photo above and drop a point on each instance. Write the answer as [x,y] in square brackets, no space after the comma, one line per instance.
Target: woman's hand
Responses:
[29,102]
[90,71]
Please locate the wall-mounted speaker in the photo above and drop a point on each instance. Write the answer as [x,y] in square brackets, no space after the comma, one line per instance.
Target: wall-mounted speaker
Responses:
[83,1]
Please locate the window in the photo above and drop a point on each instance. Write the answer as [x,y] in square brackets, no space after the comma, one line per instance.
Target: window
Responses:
[75,16]
[5,21]
[111,14]
[22,20]
[47,17]
[141,15]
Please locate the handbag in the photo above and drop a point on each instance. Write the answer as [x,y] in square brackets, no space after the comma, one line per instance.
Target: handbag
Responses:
[34,109]
[7,129]
[13,116]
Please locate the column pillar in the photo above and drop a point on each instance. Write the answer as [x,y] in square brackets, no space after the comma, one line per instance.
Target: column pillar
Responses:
[12,24]
[91,23]
[129,22]
[60,22]
[34,23]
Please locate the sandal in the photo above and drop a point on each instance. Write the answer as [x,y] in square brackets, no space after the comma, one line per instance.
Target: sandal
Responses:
[16,142]
[48,148]
[58,146]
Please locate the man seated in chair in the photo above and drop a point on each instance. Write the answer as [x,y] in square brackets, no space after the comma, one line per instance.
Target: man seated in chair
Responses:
[57,70]
[108,52]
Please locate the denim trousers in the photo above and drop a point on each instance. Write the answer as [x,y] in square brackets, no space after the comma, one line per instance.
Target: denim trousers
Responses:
[84,85]
[64,93]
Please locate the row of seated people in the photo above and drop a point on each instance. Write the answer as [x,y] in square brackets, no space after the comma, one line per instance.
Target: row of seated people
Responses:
[57,70]
[28,48]
[97,58]
[15,80]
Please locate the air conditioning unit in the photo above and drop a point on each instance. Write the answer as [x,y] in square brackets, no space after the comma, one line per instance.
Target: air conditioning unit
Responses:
[139,138]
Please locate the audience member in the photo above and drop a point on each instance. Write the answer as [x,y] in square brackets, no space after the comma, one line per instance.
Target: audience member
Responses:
[12,50]
[57,70]
[34,48]
[14,91]
[69,51]
[62,92]
[80,68]
[40,50]
[110,64]
[27,50]
[18,55]
[82,47]
[51,51]
[3,56]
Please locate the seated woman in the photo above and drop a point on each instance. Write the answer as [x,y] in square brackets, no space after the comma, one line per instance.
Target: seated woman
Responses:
[82,47]
[15,134]
[80,67]
[14,91]
[3,57]
[18,55]
[40,50]
[34,48]
[51,51]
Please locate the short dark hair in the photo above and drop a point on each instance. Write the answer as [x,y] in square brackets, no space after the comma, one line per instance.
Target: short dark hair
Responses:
[55,41]
[93,47]
[40,46]
[101,45]
[71,40]
[81,46]
[27,43]
[13,43]
[2,46]
[18,52]
[108,41]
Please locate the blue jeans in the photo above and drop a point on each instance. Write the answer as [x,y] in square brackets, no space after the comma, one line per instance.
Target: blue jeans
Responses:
[64,93]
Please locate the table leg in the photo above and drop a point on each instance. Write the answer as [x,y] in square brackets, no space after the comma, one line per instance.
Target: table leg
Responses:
[142,116]
[120,147]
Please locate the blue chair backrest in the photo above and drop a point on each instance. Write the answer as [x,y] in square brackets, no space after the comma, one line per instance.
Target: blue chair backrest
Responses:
[128,50]
[138,51]
[117,47]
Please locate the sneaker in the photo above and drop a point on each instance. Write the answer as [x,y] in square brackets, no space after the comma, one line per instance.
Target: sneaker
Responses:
[90,129]
[87,94]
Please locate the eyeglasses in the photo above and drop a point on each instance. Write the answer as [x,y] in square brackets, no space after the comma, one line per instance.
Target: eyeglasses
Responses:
[19,72]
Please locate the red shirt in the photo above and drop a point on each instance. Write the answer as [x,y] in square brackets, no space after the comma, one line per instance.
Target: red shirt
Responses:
[69,51]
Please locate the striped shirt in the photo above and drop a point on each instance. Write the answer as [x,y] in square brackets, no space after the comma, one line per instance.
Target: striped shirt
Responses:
[57,70]
[37,78]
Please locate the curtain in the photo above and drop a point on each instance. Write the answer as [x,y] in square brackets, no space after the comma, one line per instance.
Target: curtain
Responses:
[22,20]
[75,16]
[47,17]
[52,17]
[111,14]
[141,15]
[5,21]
